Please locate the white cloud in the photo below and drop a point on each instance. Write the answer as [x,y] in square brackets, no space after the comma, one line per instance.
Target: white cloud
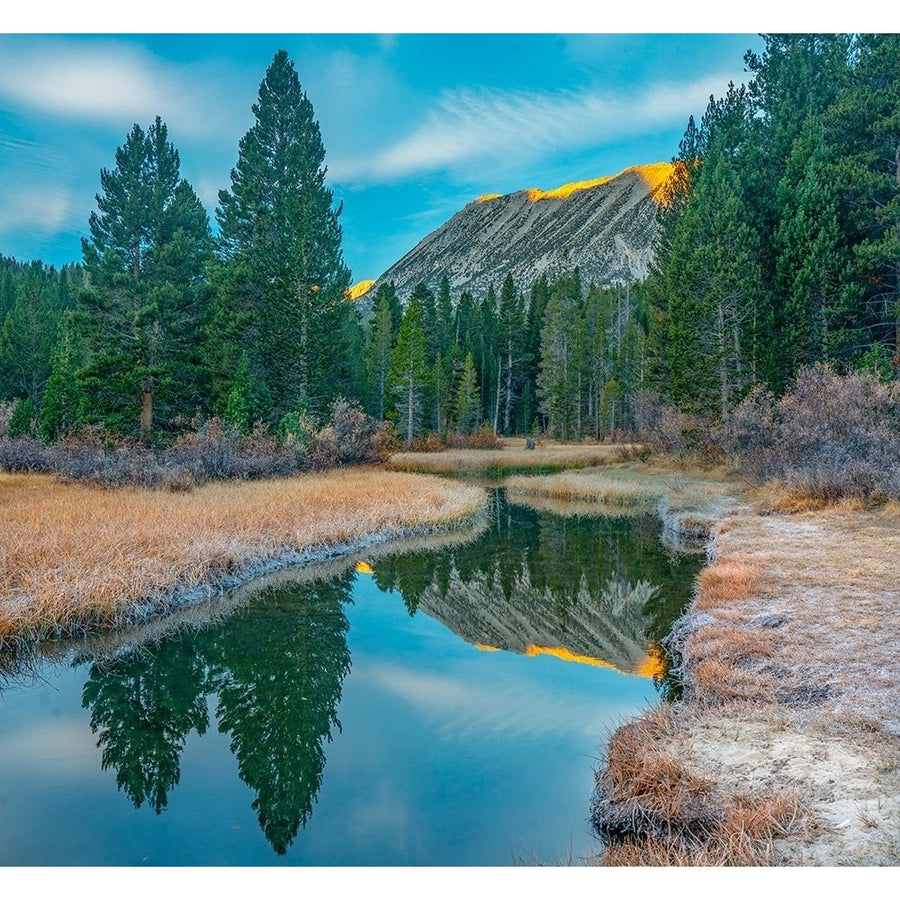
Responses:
[466,706]
[508,128]
[42,207]
[114,84]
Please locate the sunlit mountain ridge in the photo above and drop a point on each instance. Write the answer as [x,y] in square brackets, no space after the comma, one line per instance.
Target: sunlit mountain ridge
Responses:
[605,226]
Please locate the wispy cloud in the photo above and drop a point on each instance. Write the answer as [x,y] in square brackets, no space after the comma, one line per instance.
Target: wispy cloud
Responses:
[516,128]
[113,83]
[465,706]
[44,208]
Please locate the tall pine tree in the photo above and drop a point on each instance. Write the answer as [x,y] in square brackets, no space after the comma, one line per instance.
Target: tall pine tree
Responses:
[140,319]
[282,272]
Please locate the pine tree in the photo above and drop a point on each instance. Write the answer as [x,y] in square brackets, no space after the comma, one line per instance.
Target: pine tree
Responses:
[379,350]
[141,317]
[560,374]
[409,373]
[864,131]
[29,330]
[510,348]
[467,406]
[534,321]
[283,276]
[239,410]
[61,405]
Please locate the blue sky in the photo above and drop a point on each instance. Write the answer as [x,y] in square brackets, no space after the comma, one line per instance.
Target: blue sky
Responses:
[414,125]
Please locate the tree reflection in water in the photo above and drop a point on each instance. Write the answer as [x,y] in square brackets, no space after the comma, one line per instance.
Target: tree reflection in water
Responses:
[592,589]
[277,667]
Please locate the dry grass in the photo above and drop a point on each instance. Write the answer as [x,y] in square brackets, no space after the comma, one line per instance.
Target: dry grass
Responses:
[744,833]
[790,656]
[656,810]
[610,488]
[689,500]
[512,457]
[729,580]
[74,557]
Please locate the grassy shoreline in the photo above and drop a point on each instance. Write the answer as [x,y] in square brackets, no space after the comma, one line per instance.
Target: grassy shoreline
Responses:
[786,747]
[76,559]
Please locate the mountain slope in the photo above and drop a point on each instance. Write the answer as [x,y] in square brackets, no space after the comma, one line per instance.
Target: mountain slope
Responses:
[606,227]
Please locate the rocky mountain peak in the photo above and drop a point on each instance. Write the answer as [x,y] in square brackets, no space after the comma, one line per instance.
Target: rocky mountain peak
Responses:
[606,227]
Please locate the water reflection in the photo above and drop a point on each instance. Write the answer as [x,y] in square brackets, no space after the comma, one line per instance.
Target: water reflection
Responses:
[276,667]
[269,672]
[592,589]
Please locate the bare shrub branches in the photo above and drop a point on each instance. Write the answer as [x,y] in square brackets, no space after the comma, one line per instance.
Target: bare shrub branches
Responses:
[829,438]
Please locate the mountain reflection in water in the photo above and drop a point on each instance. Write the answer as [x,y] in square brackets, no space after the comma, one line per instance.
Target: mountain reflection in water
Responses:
[270,675]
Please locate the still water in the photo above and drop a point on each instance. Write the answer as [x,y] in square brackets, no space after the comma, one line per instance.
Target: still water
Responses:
[434,707]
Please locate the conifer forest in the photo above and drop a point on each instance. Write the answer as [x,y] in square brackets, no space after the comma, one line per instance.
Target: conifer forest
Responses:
[778,250]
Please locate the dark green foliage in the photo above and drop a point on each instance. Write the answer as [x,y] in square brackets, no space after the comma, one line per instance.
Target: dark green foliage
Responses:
[38,297]
[282,276]
[140,319]
[409,374]
[277,668]
[240,410]
[61,408]
[378,358]
[144,706]
[467,405]
[560,377]
[22,420]
[780,244]
[511,352]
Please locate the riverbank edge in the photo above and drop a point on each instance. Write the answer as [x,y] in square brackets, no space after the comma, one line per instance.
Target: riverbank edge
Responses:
[177,597]
[726,776]
[719,779]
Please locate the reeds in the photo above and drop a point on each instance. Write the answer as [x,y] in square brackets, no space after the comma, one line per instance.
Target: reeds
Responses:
[74,557]
[513,457]
[590,487]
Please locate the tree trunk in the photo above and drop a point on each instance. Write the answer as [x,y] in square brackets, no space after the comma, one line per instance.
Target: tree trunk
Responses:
[146,415]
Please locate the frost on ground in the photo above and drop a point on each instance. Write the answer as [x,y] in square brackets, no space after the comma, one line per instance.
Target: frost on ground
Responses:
[791,663]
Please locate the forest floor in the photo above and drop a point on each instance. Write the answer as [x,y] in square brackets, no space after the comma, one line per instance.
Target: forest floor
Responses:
[785,749]
[76,558]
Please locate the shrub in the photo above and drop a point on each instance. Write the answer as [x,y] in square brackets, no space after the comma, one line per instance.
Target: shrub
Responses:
[350,437]
[830,437]
[481,439]
[23,455]
[211,450]
[665,428]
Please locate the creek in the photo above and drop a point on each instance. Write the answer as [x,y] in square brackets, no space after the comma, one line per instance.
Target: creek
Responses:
[436,705]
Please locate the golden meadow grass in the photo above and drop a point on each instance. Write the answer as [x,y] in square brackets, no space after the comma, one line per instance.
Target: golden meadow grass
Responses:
[75,555]
[514,457]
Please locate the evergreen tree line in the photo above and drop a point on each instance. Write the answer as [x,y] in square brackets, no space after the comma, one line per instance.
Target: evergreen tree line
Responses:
[778,248]
[560,360]
[780,238]
[164,322]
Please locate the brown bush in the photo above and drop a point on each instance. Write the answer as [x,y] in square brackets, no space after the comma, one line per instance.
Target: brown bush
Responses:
[831,437]
[481,439]
[665,428]
[208,452]
[431,443]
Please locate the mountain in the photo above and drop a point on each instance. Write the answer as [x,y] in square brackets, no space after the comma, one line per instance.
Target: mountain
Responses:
[606,227]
